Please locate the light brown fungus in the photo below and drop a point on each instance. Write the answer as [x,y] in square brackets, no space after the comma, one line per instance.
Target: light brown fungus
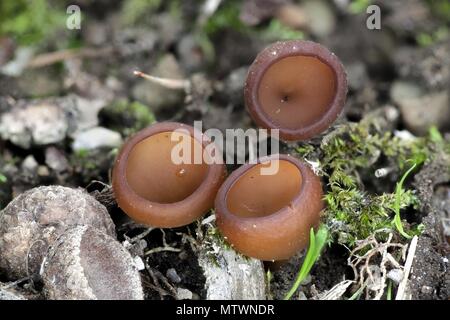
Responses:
[153,188]
[269,217]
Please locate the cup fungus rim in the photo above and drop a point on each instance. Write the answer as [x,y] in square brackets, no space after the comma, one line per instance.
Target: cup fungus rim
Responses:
[221,198]
[123,190]
[292,48]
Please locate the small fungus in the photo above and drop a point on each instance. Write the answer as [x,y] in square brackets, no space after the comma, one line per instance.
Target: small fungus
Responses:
[155,190]
[269,217]
[298,87]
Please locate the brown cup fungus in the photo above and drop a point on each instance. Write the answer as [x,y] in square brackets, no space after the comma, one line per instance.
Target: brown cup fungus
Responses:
[298,87]
[269,217]
[153,189]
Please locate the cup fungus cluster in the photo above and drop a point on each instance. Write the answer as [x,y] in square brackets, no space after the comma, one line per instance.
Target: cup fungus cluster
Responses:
[298,87]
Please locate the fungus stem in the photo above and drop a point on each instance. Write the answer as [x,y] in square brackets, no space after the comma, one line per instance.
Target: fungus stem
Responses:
[316,243]
[176,84]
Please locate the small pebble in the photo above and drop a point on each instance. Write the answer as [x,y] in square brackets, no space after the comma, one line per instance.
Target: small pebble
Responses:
[173,275]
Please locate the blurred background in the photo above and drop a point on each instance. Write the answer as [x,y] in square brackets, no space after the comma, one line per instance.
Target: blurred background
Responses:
[69,98]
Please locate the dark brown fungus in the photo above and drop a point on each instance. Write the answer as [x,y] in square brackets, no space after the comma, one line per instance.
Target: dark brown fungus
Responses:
[153,189]
[269,217]
[298,87]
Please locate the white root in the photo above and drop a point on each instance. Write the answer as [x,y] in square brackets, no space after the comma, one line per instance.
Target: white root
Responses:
[175,84]
[407,269]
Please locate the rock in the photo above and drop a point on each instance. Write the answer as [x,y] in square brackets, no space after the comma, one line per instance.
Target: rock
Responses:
[33,220]
[97,137]
[10,294]
[427,67]
[356,75]
[34,125]
[43,171]
[293,16]
[395,275]
[86,264]
[48,121]
[321,18]
[169,27]
[16,66]
[131,41]
[56,160]
[229,275]
[408,20]
[81,113]
[184,294]
[156,96]
[401,91]
[29,164]
[95,33]
[173,275]
[421,110]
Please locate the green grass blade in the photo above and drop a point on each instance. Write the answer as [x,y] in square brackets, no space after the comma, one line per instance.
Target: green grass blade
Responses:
[316,243]
[398,194]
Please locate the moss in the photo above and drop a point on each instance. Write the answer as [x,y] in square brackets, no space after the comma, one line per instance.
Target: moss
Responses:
[226,17]
[359,6]
[30,21]
[425,39]
[440,8]
[127,117]
[135,11]
[354,210]
[276,31]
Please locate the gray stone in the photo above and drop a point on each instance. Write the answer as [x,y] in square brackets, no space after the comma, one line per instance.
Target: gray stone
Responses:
[321,18]
[29,164]
[97,137]
[184,294]
[36,218]
[56,160]
[229,275]
[86,264]
[48,121]
[9,294]
[38,124]
[173,275]
[421,110]
[395,275]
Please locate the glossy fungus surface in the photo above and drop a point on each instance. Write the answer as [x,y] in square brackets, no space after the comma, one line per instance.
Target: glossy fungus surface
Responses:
[153,188]
[298,87]
[269,216]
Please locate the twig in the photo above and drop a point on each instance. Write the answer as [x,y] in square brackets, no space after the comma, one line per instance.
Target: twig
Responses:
[408,264]
[175,84]
[161,249]
[50,58]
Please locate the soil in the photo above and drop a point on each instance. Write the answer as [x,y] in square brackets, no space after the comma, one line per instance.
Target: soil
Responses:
[374,60]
